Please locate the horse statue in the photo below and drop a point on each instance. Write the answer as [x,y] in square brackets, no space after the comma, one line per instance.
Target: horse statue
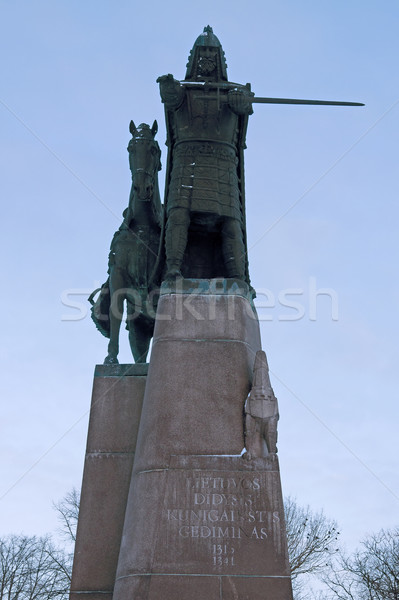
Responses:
[133,254]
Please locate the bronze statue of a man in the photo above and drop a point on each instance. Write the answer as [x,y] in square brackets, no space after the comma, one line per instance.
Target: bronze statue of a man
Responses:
[206,118]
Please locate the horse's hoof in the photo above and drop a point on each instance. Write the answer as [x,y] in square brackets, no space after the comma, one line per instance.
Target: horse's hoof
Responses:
[111,360]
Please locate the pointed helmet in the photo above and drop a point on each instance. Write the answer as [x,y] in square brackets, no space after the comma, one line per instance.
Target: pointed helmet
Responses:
[206,61]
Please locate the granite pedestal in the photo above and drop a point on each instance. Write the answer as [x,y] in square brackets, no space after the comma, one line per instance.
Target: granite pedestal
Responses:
[118,392]
[202,522]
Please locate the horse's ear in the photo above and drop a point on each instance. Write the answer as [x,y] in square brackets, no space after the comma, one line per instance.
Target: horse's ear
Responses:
[133,128]
[154,128]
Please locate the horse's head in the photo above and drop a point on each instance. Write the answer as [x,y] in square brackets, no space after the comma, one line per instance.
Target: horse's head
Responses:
[144,159]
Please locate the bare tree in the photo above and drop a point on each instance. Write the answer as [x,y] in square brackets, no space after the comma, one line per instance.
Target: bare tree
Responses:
[312,541]
[32,568]
[371,573]
[312,538]
[68,513]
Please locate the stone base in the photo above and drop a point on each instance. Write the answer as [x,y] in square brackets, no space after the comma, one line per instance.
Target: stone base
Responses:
[118,392]
[161,587]
[201,521]
[210,527]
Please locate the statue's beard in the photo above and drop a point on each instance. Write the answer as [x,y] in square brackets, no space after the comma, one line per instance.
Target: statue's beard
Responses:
[206,66]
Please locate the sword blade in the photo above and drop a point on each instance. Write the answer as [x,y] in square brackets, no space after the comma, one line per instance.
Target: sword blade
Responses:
[258,100]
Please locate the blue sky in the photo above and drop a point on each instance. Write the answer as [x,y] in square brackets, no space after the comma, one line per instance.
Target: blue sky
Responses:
[322,213]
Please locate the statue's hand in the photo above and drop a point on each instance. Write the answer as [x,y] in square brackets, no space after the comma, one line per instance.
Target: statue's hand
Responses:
[171,90]
[164,79]
[240,101]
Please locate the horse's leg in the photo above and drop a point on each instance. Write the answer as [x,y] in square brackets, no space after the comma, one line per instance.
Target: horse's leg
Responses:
[116,285]
[141,331]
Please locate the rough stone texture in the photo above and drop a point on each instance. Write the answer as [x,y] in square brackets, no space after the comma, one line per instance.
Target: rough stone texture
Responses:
[201,521]
[117,398]
[199,377]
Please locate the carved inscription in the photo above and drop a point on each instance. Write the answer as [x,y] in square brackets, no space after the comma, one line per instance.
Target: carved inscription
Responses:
[225,515]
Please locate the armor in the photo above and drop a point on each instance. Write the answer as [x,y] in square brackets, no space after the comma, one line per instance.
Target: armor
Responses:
[206,118]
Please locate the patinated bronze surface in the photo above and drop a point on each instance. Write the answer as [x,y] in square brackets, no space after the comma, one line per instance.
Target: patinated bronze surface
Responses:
[133,253]
[206,118]
[201,233]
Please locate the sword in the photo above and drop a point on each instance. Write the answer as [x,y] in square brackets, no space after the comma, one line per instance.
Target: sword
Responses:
[260,100]
[257,99]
